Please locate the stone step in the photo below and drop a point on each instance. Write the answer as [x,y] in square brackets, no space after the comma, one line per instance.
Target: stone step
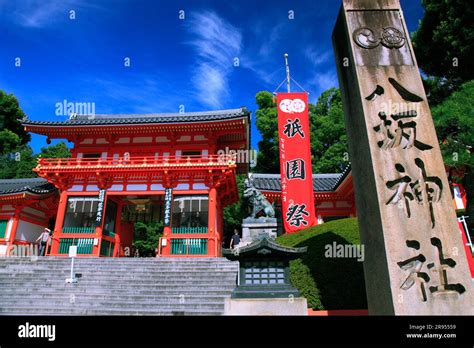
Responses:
[165,292]
[118,275]
[126,281]
[164,303]
[94,300]
[28,311]
[121,260]
[112,272]
[116,286]
[8,288]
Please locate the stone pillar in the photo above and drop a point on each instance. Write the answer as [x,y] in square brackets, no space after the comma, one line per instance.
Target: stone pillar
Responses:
[414,260]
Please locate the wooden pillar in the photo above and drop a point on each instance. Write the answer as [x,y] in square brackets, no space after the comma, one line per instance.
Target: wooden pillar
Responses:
[413,263]
[219,228]
[211,224]
[118,230]
[58,227]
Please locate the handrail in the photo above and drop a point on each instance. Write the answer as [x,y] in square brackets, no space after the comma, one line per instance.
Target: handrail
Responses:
[224,159]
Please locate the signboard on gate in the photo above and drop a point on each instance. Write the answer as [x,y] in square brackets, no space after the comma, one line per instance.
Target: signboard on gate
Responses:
[100,208]
[295,161]
[168,205]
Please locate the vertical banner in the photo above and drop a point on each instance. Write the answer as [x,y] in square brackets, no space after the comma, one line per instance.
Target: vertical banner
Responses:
[168,204]
[100,208]
[295,161]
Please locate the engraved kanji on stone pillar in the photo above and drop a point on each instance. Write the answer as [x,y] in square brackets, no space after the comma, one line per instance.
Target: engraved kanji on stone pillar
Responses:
[415,261]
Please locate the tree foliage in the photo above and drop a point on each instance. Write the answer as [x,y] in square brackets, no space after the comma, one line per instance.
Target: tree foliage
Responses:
[19,161]
[454,120]
[445,36]
[267,124]
[146,237]
[60,150]
[10,116]
[235,213]
[16,156]
[328,136]
[329,147]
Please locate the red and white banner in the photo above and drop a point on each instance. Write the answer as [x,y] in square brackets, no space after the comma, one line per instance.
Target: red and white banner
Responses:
[295,161]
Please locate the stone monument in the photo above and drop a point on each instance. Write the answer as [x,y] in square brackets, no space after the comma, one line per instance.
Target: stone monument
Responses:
[254,228]
[415,262]
[263,286]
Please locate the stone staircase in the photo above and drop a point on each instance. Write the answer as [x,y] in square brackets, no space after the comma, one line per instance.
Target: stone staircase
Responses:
[115,286]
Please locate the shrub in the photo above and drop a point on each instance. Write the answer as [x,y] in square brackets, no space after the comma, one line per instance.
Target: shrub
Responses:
[328,283]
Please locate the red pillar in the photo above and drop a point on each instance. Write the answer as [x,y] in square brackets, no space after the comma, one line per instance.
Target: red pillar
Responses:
[118,231]
[211,224]
[58,227]
[220,227]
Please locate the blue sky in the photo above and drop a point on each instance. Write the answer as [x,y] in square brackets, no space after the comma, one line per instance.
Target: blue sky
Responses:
[173,61]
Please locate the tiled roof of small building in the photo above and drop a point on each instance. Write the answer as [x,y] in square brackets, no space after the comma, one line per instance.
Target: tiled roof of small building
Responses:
[321,182]
[32,185]
[113,119]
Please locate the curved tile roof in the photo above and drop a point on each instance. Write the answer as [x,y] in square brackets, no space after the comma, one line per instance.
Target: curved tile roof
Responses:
[32,185]
[321,182]
[113,119]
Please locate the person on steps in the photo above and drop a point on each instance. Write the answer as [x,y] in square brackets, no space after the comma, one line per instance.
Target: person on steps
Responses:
[43,240]
[235,240]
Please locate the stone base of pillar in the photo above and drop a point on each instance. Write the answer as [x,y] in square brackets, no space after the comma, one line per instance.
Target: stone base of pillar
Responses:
[253,229]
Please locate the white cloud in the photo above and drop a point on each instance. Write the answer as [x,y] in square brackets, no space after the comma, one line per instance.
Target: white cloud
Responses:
[323,69]
[217,43]
[137,93]
[39,13]
[315,56]
[322,81]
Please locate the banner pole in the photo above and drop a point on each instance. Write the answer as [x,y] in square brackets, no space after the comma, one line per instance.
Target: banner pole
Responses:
[287,66]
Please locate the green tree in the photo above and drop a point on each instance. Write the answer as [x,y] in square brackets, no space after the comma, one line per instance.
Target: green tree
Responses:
[267,124]
[19,161]
[454,121]
[146,237]
[328,133]
[10,116]
[235,213]
[328,136]
[9,141]
[444,39]
[60,150]
[443,45]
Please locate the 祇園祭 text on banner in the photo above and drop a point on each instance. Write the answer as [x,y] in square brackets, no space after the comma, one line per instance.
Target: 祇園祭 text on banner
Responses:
[295,161]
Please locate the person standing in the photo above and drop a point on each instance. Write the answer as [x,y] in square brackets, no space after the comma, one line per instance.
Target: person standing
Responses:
[235,240]
[43,240]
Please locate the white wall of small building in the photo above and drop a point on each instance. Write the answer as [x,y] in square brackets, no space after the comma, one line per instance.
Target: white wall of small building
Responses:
[28,231]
